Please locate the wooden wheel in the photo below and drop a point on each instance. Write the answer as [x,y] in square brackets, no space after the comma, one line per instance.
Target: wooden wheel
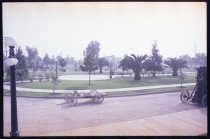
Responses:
[66,97]
[185,96]
[99,98]
[72,100]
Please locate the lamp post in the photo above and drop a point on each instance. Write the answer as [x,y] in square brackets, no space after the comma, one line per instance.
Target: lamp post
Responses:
[11,61]
[110,73]
[56,63]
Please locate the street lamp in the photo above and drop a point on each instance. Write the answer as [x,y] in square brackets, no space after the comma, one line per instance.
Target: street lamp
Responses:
[56,63]
[12,61]
[110,73]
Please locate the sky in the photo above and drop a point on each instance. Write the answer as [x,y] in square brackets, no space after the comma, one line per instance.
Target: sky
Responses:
[66,28]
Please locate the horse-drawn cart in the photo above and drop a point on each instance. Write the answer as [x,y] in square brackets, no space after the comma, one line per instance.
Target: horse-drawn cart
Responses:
[71,99]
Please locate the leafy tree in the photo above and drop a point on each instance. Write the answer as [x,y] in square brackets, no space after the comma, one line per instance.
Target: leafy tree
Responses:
[153,63]
[62,62]
[46,60]
[188,59]
[39,62]
[102,62]
[59,58]
[88,65]
[200,59]
[176,64]
[52,61]
[32,54]
[133,62]
[21,71]
[93,51]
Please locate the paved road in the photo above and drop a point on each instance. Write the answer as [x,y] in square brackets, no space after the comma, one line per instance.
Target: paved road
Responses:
[43,116]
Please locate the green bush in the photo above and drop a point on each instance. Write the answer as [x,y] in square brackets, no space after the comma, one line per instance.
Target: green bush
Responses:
[40,76]
[47,75]
[32,76]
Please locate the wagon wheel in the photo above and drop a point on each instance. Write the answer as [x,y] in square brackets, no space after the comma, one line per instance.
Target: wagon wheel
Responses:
[93,97]
[99,98]
[185,96]
[72,100]
[66,97]
[204,101]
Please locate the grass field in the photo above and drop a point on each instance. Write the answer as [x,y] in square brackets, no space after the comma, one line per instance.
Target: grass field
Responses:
[121,82]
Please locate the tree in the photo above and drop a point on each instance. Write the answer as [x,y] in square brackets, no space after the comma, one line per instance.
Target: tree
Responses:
[153,63]
[62,62]
[52,61]
[88,65]
[21,71]
[200,59]
[32,55]
[93,51]
[102,62]
[39,62]
[176,64]
[46,60]
[133,62]
[188,59]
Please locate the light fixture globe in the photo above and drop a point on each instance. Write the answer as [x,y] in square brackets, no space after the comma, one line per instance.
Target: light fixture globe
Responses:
[11,61]
[10,41]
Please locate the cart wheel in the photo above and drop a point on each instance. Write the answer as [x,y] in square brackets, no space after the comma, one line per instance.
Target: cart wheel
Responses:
[204,101]
[185,96]
[72,100]
[66,97]
[99,98]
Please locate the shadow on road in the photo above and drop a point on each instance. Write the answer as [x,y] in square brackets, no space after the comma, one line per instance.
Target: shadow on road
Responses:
[79,104]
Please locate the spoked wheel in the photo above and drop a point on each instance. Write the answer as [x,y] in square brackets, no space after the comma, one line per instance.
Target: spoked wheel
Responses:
[66,97]
[72,100]
[99,98]
[185,96]
[204,101]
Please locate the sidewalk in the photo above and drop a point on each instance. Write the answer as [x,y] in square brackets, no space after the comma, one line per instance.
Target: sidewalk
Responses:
[7,87]
[184,123]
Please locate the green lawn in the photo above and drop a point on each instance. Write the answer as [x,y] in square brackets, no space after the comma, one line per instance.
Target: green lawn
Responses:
[122,82]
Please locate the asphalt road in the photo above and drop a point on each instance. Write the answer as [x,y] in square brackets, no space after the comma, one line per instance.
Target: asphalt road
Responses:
[43,116]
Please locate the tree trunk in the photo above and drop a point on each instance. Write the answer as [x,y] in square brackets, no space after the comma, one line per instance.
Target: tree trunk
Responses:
[101,70]
[137,76]
[175,73]
[53,87]
[89,78]
[154,73]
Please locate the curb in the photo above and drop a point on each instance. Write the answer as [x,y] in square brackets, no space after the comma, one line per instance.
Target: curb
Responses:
[108,96]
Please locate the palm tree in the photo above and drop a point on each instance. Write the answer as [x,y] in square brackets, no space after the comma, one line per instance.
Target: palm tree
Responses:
[102,62]
[135,63]
[176,64]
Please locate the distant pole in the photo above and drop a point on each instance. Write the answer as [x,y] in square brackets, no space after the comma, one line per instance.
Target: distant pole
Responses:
[195,49]
[195,56]
[56,69]
[110,72]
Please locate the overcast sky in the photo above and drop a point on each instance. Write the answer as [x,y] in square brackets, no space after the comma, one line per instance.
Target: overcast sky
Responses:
[120,27]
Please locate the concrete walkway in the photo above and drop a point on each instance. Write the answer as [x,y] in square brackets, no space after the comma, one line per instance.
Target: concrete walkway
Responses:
[7,87]
[184,123]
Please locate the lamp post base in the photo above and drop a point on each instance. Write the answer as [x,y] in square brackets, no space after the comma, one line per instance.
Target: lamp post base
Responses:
[14,133]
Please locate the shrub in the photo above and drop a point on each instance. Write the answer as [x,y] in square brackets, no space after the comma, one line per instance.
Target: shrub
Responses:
[47,75]
[40,76]
[32,76]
